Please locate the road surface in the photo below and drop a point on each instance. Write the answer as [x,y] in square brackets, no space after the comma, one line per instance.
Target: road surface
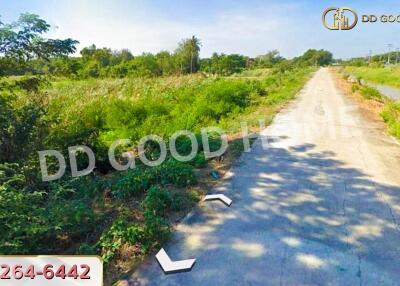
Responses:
[318,205]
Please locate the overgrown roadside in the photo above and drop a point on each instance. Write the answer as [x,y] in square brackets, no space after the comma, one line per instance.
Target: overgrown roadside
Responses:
[121,216]
[210,173]
[377,73]
[373,104]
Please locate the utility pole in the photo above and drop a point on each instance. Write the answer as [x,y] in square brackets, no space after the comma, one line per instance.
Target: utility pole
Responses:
[397,56]
[369,56]
[389,49]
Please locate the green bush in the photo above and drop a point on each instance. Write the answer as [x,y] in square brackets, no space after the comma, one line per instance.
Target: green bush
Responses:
[140,179]
[157,202]
[21,122]
[151,233]
[391,115]
[176,173]
[198,161]
[355,87]
[120,232]
[156,231]
[87,249]
[181,200]
[371,93]
[32,221]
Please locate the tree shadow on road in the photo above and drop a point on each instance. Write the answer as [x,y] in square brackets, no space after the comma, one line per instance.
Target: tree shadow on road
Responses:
[296,214]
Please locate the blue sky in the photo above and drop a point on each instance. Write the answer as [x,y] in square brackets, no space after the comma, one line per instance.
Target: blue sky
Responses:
[249,27]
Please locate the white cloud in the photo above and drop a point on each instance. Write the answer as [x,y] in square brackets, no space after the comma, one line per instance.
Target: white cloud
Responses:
[249,32]
[249,29]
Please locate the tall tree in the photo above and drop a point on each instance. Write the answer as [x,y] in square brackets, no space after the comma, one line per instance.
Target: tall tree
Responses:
[22,41]
[188,53]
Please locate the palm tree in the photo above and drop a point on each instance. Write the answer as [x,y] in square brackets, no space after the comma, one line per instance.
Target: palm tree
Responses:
[188,53]
[194,49]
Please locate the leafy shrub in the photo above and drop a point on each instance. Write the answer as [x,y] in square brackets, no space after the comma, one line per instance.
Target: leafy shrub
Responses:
[32,221]
[391,115]
[371,93]
[21,125]
[198,161]
[120,232]
[152,233]
[24,221]
[176,173]
[157,202]
[10,176]
[155,232]
[141,178]
[355,87]
[220,98]
[180,200]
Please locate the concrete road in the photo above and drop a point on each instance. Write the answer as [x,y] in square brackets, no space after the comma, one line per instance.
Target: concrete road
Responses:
[318,205]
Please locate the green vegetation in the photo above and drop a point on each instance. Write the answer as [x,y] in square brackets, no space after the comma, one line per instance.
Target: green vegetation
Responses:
[151,233]
[375,69]
[378,60]
[391,115]
[368,92]
[96,113]
[315,57]
[390,112]
[382,75]
[224,64]
[49,58]
[139,180]
[50,101]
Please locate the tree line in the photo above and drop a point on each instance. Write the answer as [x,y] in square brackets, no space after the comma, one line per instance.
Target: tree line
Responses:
[378,60]
[23,50]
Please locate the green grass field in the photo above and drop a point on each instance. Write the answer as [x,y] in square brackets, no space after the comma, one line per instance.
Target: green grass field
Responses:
[383,75]
[111,109]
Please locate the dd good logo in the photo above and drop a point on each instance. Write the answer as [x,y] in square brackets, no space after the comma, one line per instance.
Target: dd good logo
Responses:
[382,18]
[337,18]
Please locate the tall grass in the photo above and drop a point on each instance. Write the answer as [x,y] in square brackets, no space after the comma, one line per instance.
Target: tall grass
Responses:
[382,75]
[390,112]
[391,115]
[98,112]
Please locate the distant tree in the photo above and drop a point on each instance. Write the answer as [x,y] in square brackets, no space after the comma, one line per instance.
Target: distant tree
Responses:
[145,65]
[95,61]
[223,64]
[269,59]
[187,55]
[315,57]
[167,63]
[123,55]
[102,56]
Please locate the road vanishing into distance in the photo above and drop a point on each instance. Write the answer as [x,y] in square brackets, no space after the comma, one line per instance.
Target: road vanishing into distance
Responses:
[318,205]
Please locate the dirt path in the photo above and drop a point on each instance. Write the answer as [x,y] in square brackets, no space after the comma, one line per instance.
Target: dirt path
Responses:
[319,206]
